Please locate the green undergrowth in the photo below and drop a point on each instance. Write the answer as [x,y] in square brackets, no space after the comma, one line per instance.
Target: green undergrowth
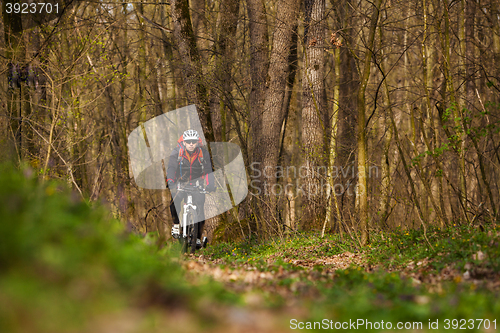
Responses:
[378,296]
[65,261]
[382,286]
[454,246]
[302,246]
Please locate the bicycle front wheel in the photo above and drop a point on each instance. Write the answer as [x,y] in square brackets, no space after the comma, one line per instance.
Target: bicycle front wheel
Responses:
[194,234]
[184,242]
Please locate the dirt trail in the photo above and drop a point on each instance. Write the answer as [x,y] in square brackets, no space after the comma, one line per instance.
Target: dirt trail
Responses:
[257,314]
[249,274]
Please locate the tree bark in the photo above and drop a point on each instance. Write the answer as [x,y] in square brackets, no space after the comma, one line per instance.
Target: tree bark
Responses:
[272,117]
[387,162]
[331,194]
[191,67]
[259,66]
[220,94]
[13,29]
[362,190]
[313,109]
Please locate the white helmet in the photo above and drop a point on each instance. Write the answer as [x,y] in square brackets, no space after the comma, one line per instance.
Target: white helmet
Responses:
[190,135]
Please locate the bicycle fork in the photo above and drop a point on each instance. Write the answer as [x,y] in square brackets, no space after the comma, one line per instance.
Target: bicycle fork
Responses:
[187,206]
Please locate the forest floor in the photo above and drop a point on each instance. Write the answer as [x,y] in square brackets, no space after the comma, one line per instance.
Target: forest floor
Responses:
[449,281]
[68,266]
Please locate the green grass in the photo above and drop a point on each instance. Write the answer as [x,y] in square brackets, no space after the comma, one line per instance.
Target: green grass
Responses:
[375,295]
[455,245]
[389,297]
[303,246]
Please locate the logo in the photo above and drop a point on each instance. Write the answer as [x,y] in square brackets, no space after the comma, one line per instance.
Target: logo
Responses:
[26,14]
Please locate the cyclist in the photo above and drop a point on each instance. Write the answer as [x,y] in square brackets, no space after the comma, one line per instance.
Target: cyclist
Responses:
[189,162]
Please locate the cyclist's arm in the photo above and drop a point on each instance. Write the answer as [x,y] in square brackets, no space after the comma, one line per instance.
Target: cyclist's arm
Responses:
[209,176]
[172,166]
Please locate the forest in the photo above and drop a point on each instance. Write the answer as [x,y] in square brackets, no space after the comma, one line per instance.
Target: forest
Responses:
[390,109]
[369,131]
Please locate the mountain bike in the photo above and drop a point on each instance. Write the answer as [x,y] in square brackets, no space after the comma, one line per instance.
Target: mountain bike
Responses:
[189,226]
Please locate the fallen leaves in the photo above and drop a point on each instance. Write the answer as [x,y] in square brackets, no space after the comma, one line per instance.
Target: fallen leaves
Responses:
[339,261]
[294,274]
[479,256]
[296,280]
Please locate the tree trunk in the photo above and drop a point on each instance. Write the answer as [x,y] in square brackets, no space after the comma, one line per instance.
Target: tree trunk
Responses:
[387,162]
[331,193]
[191,68]
[259,66]
[13,30]
[220,94]
[362,187]
[272,117]
[313,109]
[456,110]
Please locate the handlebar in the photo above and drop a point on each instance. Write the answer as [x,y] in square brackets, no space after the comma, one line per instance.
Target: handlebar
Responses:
[191,188]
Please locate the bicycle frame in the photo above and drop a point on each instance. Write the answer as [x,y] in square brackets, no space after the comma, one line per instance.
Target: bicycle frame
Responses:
[190,208]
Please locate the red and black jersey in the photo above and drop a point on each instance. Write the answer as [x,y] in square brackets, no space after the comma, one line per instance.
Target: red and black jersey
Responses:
[184,166]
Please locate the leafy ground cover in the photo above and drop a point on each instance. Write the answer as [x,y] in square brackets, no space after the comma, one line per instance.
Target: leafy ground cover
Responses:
[401,276]
[67,265]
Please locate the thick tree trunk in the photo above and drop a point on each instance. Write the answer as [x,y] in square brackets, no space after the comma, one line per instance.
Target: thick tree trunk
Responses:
[220,94]
[259,66]
[346,145]
[273,115]
[313,110]
[191,67]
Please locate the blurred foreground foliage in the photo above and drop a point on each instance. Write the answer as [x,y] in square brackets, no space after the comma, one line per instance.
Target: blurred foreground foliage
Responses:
[65,262]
